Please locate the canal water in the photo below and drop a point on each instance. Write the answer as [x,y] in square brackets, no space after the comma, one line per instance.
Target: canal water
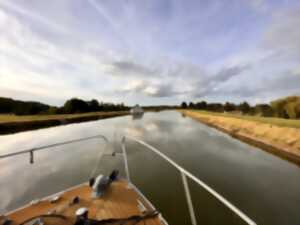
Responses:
[263,186]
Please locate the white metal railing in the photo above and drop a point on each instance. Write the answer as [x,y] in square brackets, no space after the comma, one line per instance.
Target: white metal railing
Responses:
[32,150]
[184,174]
[44,147]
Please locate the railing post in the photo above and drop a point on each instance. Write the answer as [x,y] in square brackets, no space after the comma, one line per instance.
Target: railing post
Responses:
[31,157]
[188,198]
[125,158]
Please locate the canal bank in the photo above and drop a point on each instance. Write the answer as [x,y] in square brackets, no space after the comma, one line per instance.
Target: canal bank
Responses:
[281,141]
[14,124]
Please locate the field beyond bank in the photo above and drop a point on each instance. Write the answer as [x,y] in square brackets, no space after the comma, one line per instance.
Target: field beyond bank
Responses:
[14,123]
[279,136]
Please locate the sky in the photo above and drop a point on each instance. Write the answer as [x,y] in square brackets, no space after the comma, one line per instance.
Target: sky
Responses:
[149,52]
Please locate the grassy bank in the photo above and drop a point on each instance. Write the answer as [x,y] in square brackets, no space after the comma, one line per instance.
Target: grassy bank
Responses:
[279,136]
[13,123]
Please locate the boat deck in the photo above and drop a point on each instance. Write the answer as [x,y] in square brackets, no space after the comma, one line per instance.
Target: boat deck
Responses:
[121,201]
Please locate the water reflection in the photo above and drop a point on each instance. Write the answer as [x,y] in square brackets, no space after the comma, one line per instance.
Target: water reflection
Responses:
[252,179]
[137,116]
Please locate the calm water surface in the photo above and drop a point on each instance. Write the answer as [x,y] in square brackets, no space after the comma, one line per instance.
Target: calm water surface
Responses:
[264,186]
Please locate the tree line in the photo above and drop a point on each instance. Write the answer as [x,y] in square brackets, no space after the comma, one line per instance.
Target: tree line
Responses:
[288,108]
[74,105]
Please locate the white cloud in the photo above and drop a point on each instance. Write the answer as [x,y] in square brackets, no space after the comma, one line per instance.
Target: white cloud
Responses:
[38,64]
[256,3]
[283,35]
[50,24]
[32,64]
[134,86]
[151,91]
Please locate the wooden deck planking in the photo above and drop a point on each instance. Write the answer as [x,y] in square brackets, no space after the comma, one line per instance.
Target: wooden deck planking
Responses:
[118,202]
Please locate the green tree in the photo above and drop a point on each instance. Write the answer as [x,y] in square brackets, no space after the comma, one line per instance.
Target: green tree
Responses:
[75,105]
[183,105]
[264,110]
[297,110]
[94,105]
[201,105]
[244,107]
[229,107]
[286,107]
[52,110]
[215,107]
[191,105]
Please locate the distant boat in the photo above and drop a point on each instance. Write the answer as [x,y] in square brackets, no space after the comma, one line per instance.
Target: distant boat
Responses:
[137,110]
